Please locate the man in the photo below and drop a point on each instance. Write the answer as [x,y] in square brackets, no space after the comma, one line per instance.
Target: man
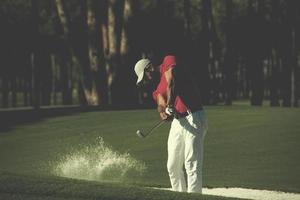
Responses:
[177,97]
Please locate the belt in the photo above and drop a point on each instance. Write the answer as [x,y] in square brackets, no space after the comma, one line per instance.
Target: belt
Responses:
[189,111]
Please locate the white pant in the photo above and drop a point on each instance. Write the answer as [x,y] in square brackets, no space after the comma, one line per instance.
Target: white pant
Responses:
[185,150]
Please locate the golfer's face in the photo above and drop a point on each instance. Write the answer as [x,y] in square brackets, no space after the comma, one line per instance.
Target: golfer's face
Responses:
[148,74]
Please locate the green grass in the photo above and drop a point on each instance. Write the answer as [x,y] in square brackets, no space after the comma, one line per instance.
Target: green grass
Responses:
[252,147]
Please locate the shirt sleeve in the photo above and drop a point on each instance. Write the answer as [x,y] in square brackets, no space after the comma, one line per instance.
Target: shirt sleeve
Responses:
[168,63]
[162,86]
[166,68]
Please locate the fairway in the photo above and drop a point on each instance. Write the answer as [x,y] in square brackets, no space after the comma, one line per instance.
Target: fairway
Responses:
[249,147]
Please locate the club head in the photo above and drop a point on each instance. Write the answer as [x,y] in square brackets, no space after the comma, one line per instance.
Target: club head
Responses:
[140,134]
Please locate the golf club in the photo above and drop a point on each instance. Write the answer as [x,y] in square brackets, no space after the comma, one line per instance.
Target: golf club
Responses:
[145,134]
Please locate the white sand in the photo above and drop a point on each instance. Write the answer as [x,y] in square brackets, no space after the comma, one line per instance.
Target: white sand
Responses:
[251,194]
[248,193]
[98,162]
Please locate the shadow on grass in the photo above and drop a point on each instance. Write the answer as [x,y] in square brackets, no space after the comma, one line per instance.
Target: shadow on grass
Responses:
[15,187]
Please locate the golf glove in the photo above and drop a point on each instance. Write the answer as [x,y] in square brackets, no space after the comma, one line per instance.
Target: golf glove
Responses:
[169,110]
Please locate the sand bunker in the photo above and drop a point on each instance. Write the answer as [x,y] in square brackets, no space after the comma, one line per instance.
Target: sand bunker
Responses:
[251,194]
[244,193]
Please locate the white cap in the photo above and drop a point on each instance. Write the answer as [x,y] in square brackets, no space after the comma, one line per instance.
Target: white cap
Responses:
[140,67]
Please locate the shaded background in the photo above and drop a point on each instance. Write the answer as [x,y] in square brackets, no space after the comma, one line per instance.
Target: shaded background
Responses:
[82,52]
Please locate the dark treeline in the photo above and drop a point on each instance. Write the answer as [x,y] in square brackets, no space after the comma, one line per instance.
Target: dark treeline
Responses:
[59,52]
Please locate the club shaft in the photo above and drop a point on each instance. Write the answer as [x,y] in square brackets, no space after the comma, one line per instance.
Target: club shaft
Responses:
[154,127]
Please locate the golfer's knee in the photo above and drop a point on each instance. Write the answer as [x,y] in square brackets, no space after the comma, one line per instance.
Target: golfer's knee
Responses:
[192,167]
[174,168]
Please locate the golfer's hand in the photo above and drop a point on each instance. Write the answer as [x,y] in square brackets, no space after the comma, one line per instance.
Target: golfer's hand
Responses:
[166,117]
[163,115]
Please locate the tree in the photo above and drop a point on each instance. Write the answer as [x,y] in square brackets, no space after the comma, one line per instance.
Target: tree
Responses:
[187,18]
[228,45]
[115,22]
[125,79]
[36,40]
[274,54]
[289,54]
[205,49]
[86,62]
[95,49]
[230,58]
[297,51]
[253,47]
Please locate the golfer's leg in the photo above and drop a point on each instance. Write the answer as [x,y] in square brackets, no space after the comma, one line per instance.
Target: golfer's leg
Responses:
[176,157]
[194,141]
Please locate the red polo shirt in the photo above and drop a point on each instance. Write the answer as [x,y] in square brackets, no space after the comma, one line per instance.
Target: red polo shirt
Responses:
[168,62]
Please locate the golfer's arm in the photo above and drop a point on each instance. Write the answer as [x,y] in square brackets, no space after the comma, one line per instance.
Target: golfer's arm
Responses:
[161,107]
[161,103]
[170,88]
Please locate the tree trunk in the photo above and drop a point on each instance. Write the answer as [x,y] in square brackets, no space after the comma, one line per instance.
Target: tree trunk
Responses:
[14,91]
[69,58]
[229,73]
[126,89]
[204,76]
[187,18]
[230,58]
[214,57]
[66,77]
[297,84]
[54,78]
[96,54]
[104,28]
[46,75]
[274,79]
[257,83]
[25,91]
[297,67]
[293,20]
[115,20]
[289,51]
[5,92]
[254,55]
[128,10]
[275,57]
[83,61]
[26,78]
[34,56]
[286,85]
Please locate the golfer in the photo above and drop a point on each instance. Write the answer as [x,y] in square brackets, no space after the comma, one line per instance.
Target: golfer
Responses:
[178,100]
